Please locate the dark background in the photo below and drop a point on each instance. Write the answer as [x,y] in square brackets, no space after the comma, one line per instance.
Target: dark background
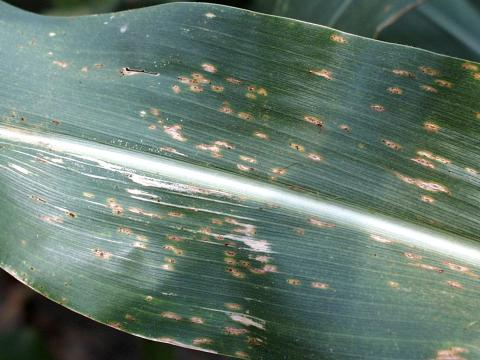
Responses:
[35,328]
[78,7]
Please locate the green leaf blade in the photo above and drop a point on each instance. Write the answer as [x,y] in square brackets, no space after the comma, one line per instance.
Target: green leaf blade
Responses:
[274,214]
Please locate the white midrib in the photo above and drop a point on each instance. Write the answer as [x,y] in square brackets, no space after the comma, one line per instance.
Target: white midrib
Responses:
[173,170]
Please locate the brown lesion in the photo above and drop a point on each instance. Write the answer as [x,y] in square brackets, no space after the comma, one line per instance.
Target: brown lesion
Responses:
[395,90]
[102,254]
[404,73]
[453,353]
[338,39]
[129,71]
[326,74]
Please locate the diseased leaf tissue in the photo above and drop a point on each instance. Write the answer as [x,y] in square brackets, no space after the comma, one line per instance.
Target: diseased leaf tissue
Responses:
[243,184]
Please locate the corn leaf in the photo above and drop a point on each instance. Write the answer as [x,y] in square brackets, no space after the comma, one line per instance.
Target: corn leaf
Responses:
[243,184]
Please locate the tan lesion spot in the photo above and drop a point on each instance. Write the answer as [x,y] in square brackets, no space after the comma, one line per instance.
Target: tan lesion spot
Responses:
[129,317]
[171,315]
[102,254]
[320,223]
[262,91]
[209,68]
[171,150]
[393,284]
[125,230]
[245,264]
[215,150]
[395,90]
[294,282]
[242,167]
[169,260]
[217,88]
[248,159]
[431,127]
[424,162]
[115,325]
[454,284]
[412,256]
[233,80]
[127,71]
[230,330]
[456,267]
[184,80]
[319,285]
[326,74]
[139,245]
[230,261]
[429,88]
[471,171]
[453,353]
[444,83]
[202,341]
[195,88]
[338,39]
[377,107]
[381,239]
[314,120]
[233,306]
[198,78]
[422,184]
[297,147]
[217,221]
[429,71]
[260,135]
[142,238]
[392,145]
[315,157]
[427,199]
[242,355]
[236,273]
[253,341]
[245,116]
[226,108]
[404,73]
[139,211]
[60,64]
[197,320]
[175,132]
[431,156]
[427,267]
[71,214]
[269,268]
[176,89]
[154,112]
[279,171]
[52,219]
[470,66]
